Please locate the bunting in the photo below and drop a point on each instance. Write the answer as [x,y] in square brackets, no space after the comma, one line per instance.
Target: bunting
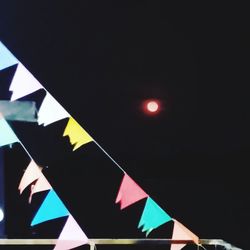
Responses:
[153,216]
[51,208]
[180,232]
[129,192]
[23,83]
[71,236]
[50,111]
[77,135]
[6,58]
[7,135]
[40,185]
[32,173]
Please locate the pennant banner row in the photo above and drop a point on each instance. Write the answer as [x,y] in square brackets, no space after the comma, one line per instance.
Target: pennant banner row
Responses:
[50,111]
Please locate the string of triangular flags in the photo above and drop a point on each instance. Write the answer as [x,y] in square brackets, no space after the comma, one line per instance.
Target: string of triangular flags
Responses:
[50,111]
[52,207]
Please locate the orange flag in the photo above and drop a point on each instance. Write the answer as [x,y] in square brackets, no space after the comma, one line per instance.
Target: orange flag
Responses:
[180,232]
[31,174]
[129,192]
[40,185]
[77,135]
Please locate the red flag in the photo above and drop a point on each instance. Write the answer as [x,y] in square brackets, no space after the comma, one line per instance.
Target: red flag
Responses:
[129,192]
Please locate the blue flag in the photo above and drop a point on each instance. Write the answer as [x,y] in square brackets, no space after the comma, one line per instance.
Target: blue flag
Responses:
[152,217]
[7,135]
[6,58]
[51,208]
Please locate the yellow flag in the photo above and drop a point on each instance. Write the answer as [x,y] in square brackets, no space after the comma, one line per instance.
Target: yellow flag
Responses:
[77,135]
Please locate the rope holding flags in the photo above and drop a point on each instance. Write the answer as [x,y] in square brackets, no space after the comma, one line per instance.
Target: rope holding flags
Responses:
[50,111]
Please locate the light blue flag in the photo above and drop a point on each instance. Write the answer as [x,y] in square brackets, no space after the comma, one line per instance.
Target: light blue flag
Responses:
[6,58]
[152,217]
[51,208]
[7,135]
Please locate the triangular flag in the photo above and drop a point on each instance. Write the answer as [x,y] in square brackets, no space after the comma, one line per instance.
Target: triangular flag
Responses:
[23,83]
[77,135]
[7,135]
[129,192]
[180,232]
[71,236]
[152,217]
[40,185]
[50,111]
[32,173]
[6,58]
[51,208]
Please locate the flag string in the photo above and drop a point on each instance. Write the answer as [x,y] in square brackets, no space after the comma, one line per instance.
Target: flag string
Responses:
[25,149]
[109,157]
[100,147]
[81,140]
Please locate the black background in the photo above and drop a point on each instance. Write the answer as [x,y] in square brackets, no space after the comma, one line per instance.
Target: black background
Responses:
[100,60]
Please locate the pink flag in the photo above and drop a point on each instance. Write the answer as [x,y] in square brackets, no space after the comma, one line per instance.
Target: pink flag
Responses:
[180,232]
[71,236]
[31,174]
[129,192]
[40,185]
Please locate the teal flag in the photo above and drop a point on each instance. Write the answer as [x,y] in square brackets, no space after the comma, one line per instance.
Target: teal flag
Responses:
[7,135]
[152,217]
[6,58]
[51,208]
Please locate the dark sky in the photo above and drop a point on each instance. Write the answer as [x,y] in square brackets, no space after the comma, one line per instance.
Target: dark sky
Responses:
[100,60]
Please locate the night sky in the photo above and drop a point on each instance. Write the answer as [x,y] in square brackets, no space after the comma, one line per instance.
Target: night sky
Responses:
[101,60]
